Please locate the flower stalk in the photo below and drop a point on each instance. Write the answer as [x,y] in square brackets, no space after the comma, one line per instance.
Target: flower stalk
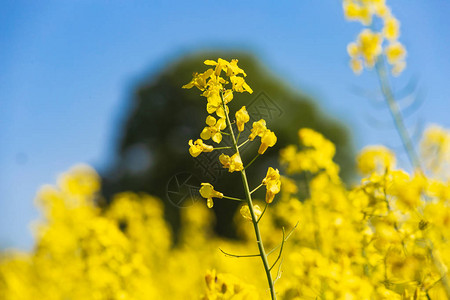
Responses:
[255,220]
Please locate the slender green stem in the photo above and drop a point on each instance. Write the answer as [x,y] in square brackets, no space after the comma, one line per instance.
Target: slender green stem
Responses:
[396,113]
[249,164]
[259,241]
[239,256]
[285,240]
[281,251]
[256,188]
[232,198]
[262,214]
[243,143]
[222,148]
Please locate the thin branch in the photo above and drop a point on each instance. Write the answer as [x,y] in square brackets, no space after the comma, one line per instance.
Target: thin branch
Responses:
[256,188]
[287,237]
[221,148]
[262,214]
[239,256]
[278,272]
[245,142]
[279,253]
[257,155]
[232,198]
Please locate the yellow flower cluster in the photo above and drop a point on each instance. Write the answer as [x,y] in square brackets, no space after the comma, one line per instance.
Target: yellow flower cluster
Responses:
[386,238]
[371,44]
[218,95]
[316,155]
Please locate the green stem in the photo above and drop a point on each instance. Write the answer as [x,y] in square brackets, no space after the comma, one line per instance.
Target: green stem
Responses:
[243,143]
[250,163]
[256,188]
[396,113]
[232,198]
[259,241]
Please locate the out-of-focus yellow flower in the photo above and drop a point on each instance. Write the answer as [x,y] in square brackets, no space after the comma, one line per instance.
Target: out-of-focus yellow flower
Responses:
[268,139]
[245,212]
[435,151]
[258,129]
[355,11]
[197,147]
[242,117]
[369,45]
[227,287]
[213,129]
[376,159]
[81,180]
[207,191]
[395,52]
[273,184]
[356,65]
[233,163]
[370,42]
[391,28]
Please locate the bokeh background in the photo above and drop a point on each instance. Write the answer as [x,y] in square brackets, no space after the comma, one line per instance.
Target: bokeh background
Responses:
[72,73]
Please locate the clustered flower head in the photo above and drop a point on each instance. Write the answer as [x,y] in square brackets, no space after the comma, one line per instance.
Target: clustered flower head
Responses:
[218,85]
[385,238]
[372,43]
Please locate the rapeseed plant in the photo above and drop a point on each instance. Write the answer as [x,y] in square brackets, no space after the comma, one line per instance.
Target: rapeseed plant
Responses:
[218,94]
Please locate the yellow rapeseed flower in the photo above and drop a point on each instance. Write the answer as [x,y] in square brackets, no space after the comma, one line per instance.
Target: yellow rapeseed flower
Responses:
[199,80]
[273,184]
[213,129]
[207,191]
[378,159]
[197,147]
[245,212]
[242,117]
[268,139]
[233,163]
[391,28]
[258,129]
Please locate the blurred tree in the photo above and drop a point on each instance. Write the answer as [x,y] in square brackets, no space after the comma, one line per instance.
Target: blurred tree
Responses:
[153,152]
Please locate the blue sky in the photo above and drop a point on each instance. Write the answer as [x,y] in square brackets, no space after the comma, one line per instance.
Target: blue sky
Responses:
[68,68]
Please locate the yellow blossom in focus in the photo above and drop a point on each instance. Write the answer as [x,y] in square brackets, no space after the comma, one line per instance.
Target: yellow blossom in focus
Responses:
[239,85]
[242,117]
[258,129]
[245,212]
[207,191]
[213,129]
[199,80]
[273,184]
[268,139]
[233,163]
[197,147]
